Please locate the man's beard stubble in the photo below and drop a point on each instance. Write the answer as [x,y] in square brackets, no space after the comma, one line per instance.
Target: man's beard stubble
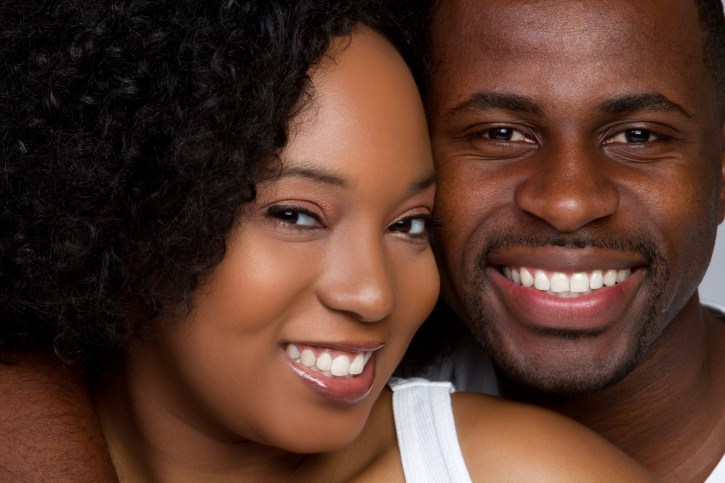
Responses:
[588,376]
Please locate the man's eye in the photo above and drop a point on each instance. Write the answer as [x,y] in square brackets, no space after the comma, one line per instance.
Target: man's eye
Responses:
[504,134]
[635,136]
[294,216]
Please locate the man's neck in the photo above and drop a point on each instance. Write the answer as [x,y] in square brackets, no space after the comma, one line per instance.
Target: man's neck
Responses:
[668,412]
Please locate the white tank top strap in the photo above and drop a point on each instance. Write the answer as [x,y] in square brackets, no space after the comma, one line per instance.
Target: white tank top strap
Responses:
[426,431]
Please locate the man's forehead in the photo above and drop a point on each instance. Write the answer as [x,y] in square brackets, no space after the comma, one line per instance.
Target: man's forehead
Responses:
[612,38]
[458,22]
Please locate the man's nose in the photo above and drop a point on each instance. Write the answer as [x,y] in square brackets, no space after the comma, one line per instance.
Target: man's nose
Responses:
[568,187]
[359,281]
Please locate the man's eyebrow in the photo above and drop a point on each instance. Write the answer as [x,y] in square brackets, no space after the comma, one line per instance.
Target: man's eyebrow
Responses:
[483,100]
[648,101]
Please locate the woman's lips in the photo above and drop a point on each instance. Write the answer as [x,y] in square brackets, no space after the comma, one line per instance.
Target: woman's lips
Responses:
[335,374]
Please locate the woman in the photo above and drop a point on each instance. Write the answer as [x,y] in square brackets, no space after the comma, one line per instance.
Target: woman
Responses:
[222,210]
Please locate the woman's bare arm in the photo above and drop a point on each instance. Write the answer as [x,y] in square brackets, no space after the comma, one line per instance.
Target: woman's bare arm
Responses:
[49,428]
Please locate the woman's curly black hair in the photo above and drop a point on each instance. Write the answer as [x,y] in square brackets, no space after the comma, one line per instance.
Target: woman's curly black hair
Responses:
[132,131]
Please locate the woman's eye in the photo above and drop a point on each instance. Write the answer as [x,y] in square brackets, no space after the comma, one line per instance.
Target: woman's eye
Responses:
[635,136]
[416,226]
[293,215]
[505,134]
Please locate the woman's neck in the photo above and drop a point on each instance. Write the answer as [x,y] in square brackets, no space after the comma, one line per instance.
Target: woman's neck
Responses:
[149,442]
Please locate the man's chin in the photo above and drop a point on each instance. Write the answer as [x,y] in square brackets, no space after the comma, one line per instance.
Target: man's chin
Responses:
[561,366]
[561,380]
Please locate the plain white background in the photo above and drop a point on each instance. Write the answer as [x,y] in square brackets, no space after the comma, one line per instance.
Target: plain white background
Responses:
[713,287]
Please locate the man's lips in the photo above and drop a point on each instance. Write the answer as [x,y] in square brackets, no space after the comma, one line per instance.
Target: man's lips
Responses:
[565,272]
[594,308]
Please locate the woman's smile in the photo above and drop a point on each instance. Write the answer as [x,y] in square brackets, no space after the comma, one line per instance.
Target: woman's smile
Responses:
[339,375]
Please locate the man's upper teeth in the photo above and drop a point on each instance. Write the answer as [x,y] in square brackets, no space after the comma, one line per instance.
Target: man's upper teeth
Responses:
[565,283]
[321,360]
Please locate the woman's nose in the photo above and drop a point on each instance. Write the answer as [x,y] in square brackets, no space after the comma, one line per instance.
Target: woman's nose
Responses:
[359,281]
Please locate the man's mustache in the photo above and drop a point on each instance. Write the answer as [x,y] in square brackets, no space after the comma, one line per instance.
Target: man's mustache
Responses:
[509,237]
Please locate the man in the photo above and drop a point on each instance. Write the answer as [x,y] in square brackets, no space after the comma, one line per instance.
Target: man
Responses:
[581,164]
[574,139]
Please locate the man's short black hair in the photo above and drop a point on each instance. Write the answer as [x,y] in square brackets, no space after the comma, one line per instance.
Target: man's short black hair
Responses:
[712,20]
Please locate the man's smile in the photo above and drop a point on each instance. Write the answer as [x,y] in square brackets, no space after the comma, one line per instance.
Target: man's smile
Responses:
[565,284]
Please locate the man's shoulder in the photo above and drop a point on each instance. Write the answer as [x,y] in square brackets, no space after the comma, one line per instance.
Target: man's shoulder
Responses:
[715,309]
[49,423]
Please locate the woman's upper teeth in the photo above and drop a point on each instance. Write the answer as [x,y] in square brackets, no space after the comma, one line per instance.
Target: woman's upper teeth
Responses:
[565,284]
[322,360]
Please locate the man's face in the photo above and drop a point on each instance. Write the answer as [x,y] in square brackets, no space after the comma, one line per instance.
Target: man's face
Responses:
[580,159]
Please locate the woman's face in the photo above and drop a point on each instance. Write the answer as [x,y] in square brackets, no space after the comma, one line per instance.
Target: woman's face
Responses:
[325,280]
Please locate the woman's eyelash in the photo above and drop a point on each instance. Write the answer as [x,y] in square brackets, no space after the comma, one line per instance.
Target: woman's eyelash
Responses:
[416,226]
[294,216]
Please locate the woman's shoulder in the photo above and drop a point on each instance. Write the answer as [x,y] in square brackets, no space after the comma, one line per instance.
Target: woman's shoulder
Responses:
[505,440]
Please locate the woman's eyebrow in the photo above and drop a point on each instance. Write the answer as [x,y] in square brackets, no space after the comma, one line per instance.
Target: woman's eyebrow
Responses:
[315,173]
[422,184]
[331,177]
